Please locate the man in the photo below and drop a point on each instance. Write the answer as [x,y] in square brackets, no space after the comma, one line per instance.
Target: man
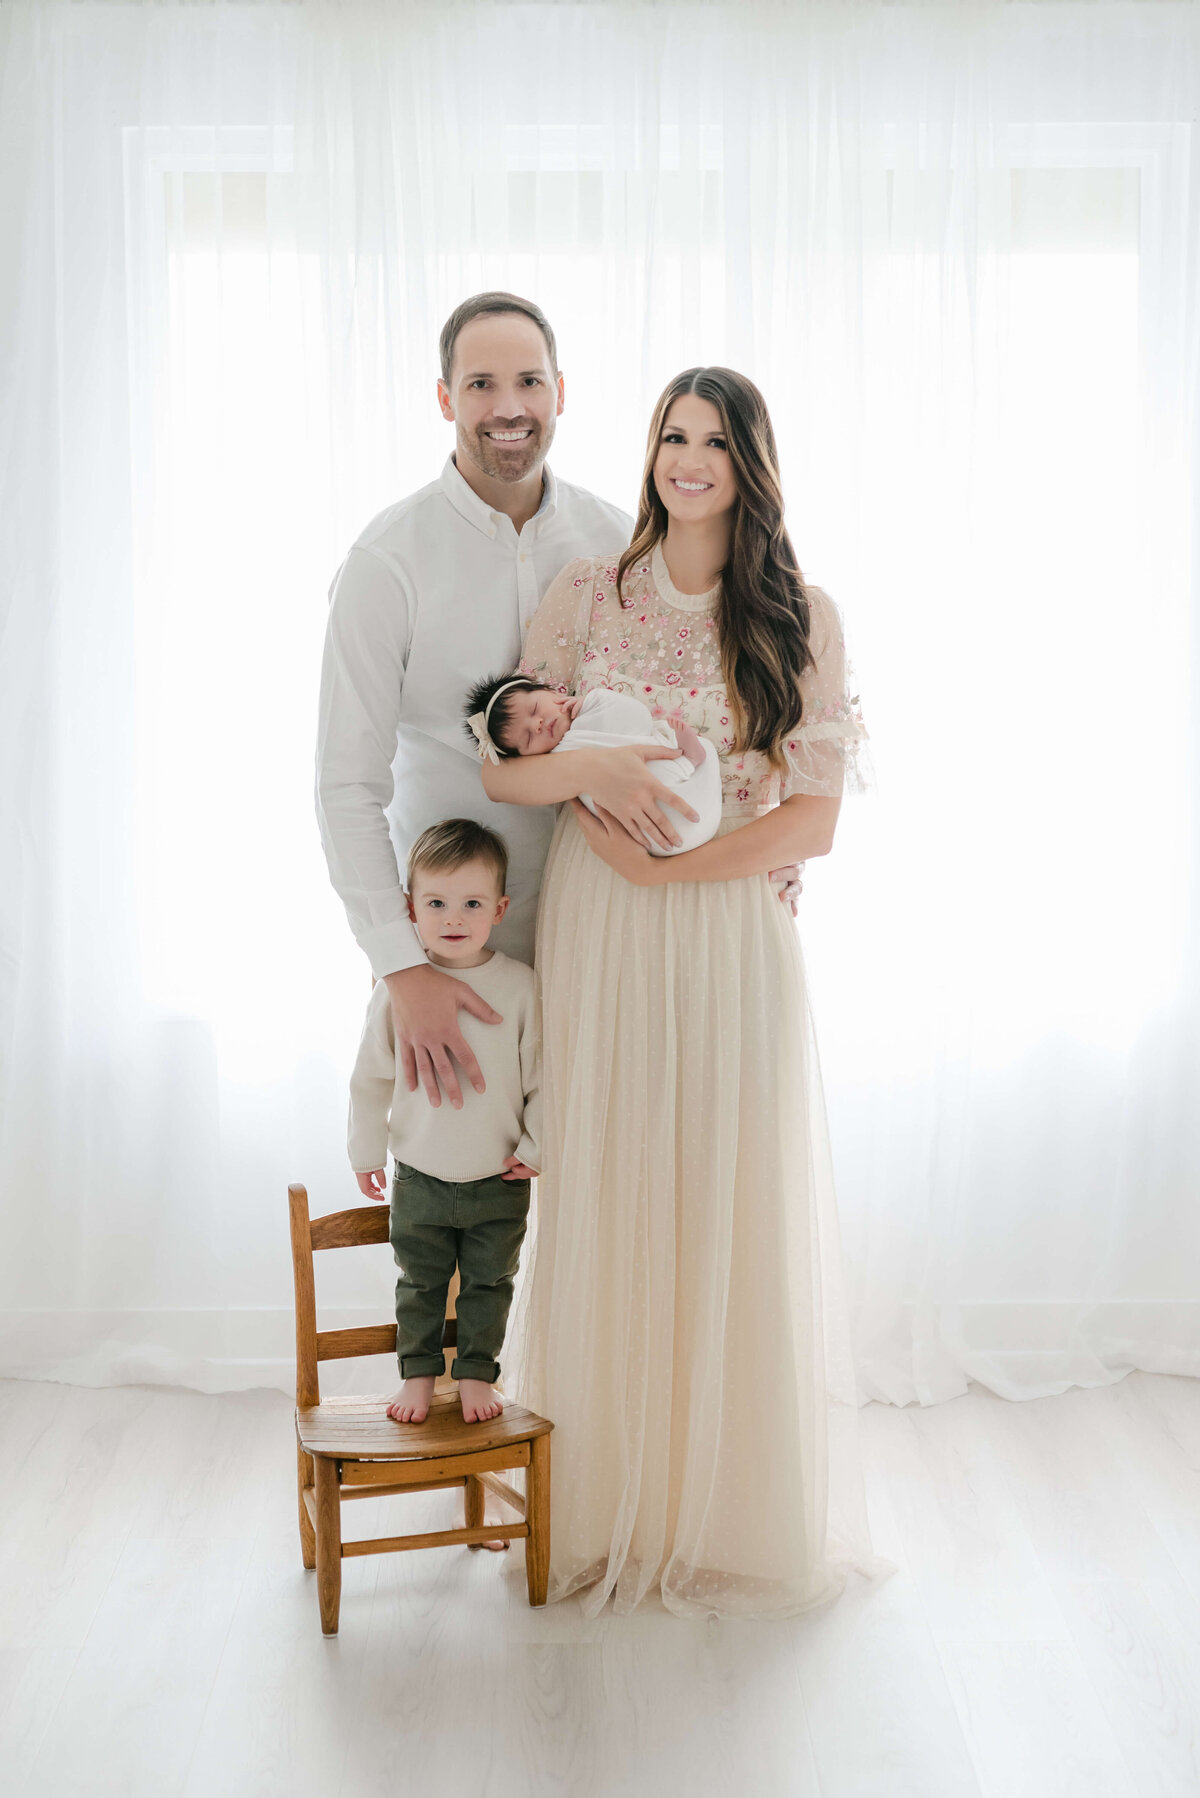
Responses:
[437,592]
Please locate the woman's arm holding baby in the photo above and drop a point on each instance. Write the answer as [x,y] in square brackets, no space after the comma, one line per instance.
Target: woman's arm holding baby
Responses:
[617,779]
[797,830]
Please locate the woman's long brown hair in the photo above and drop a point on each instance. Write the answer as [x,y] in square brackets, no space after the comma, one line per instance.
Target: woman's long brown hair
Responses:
[763,611]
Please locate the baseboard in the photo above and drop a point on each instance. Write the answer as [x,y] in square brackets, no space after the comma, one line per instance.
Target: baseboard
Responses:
[209,1351]
[921,1354]
[926,1353]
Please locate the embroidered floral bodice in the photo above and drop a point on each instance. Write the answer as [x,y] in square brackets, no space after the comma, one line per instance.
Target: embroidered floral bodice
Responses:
[662,647]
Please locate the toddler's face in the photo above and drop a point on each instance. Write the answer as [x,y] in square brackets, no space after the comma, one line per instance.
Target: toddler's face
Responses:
[454,911]
[538,721]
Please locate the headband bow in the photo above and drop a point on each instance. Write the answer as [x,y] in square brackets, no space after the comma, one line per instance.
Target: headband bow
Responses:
[478,721]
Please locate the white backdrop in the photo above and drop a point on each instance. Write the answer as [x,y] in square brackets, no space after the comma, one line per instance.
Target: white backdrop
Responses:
[958,247]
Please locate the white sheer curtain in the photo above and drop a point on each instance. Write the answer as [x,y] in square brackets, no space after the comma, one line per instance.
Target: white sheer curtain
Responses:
[958,247]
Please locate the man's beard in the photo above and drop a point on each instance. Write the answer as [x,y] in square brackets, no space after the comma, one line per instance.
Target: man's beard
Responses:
[508,462]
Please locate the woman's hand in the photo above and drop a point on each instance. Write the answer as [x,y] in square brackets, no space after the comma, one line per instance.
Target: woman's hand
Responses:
[621,780]
[789,884]
[608,838]
[623,786]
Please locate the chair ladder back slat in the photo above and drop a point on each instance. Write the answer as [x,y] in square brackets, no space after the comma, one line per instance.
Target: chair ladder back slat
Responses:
[308,1391]
[350,1229]
[369,1339]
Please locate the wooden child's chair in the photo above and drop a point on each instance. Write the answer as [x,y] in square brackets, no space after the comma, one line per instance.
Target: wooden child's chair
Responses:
[350,1448]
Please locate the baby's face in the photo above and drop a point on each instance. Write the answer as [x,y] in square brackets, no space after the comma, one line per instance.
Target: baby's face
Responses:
[538,721]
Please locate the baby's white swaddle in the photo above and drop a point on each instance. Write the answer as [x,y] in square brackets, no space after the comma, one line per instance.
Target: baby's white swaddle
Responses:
[608,720]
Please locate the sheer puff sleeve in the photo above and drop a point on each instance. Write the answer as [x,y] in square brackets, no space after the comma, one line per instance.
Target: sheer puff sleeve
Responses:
[558,631]
[826,754]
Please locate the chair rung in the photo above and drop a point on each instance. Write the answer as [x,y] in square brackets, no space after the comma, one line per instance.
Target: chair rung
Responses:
[488,1532]
[393,1491]
[508,1495]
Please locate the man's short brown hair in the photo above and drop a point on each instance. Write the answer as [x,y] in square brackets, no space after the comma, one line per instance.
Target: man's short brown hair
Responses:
[452,844]
[480,305]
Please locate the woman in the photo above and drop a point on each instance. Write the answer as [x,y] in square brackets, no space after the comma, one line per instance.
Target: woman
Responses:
[676,1322]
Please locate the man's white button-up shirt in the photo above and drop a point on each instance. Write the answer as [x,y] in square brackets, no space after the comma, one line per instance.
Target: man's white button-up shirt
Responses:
[436,593]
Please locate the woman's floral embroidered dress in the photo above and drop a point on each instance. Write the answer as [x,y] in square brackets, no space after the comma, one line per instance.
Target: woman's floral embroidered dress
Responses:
[661,646]
[681,1317]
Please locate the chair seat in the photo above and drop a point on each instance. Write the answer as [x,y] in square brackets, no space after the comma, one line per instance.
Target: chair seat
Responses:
[359,1429]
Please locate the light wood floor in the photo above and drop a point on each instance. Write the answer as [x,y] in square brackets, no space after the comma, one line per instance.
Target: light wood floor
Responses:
[158,1635]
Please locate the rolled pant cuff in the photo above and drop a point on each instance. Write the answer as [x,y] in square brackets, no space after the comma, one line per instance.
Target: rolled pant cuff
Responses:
[487,1371]
[415,1367]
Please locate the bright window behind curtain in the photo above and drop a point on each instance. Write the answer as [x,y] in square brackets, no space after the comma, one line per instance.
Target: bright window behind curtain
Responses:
[951,245]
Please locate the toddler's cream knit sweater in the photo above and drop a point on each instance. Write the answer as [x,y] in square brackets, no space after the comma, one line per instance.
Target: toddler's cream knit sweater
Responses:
[454,1145]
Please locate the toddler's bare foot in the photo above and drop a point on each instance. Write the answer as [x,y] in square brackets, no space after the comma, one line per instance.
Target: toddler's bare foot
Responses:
[478,1400]
[411,1403]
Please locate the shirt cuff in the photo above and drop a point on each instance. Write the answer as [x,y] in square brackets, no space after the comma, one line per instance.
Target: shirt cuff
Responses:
[529,1152]
[360,1166]
[390,948]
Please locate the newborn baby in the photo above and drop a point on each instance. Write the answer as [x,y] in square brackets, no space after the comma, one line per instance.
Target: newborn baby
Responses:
[509,715]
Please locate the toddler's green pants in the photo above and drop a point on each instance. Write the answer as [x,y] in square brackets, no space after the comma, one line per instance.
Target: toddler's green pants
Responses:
[478,1225]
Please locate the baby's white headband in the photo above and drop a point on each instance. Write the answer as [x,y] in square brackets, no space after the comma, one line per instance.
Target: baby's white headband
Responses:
[478,721]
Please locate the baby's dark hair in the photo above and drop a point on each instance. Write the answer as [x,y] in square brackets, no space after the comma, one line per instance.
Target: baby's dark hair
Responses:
[500,717]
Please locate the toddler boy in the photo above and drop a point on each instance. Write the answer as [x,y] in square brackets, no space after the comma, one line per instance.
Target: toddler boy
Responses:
[460,1187]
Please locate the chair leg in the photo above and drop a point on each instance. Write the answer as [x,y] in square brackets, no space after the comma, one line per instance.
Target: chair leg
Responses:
[537,1516]
[473,1496]
[308,1536]
[329,1543]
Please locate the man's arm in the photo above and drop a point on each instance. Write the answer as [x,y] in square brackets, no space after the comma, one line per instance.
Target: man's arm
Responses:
[362,680]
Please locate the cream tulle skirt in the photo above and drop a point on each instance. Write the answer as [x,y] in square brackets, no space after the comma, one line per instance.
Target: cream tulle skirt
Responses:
[680,1320]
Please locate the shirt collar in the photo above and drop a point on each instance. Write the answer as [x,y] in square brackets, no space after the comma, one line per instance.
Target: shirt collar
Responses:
[468,505]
